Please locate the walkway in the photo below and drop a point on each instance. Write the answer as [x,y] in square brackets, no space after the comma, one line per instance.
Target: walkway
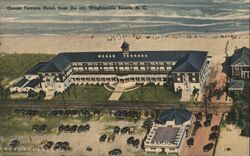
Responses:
[119,89]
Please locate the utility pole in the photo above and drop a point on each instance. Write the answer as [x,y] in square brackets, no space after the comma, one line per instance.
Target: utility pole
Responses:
[205,104]
[64,104]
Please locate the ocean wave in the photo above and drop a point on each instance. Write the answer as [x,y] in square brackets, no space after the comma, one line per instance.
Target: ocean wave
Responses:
[112,21]
[214,17]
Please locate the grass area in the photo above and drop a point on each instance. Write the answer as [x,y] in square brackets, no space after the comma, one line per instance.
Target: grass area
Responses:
[158,94]
[15,65]
[94,93]
[14,125]
[88,93]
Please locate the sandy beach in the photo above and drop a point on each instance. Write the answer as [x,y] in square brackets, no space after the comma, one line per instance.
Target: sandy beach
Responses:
[215,45]
[231,143]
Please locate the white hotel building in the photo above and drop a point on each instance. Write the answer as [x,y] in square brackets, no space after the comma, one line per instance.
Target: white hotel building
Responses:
[182,69]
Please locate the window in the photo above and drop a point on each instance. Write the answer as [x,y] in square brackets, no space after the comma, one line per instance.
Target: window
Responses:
[193,74]
[237,68]
[178,74]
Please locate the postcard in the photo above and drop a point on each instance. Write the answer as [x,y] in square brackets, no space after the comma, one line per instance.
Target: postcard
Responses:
[124,77]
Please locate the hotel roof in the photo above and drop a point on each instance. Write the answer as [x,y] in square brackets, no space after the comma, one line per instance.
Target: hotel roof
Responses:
[188,61]
[36,68]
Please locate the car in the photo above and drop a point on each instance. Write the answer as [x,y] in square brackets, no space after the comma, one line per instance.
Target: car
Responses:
[213,136]
[190,142]
[57,145]
[89,149]
[35,127]
[128,114]
[115,152]
[198,115]
[60,128]
[130,140]
[209,117]
[65,146]
[117,113]
[14,143]
[73,112]
[73,128]
[43,142]
[215,128]
[136,142]
[207,123]
[125,130]
[116,130]
[147,124]
[42,127]
[86,127]
[86,113]
[80,128]
[66,113]
[103,138]
[48,145]
[67,128]
[208,147]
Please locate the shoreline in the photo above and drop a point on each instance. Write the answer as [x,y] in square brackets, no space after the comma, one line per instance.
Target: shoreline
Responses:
[172,34]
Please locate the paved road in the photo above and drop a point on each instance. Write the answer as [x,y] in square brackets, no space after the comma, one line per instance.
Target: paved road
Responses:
[215,108]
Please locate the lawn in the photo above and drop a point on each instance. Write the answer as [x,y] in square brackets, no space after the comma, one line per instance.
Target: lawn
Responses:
[94,93]
[88,93]
[157,94]
[14,65]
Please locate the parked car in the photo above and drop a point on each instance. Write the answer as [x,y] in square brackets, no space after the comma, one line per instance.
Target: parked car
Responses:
[130,140]
[43,142]
[115,152]
[67,128]
[80,128]
[60,128]
[73,129]
[57,145]
[103,138]
[65,146]
[207,123]
[208,147]
[136,142]
[14,143]
[215,128]
[213,136]
[86,127]
[125,130]
[116,130]
[48,145]
[209,117]
[42,127]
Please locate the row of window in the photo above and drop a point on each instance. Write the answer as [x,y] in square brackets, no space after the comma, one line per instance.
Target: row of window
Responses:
[122,68]
[124,64]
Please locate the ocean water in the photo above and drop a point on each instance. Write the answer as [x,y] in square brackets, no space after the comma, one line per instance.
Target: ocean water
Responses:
[107,17]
